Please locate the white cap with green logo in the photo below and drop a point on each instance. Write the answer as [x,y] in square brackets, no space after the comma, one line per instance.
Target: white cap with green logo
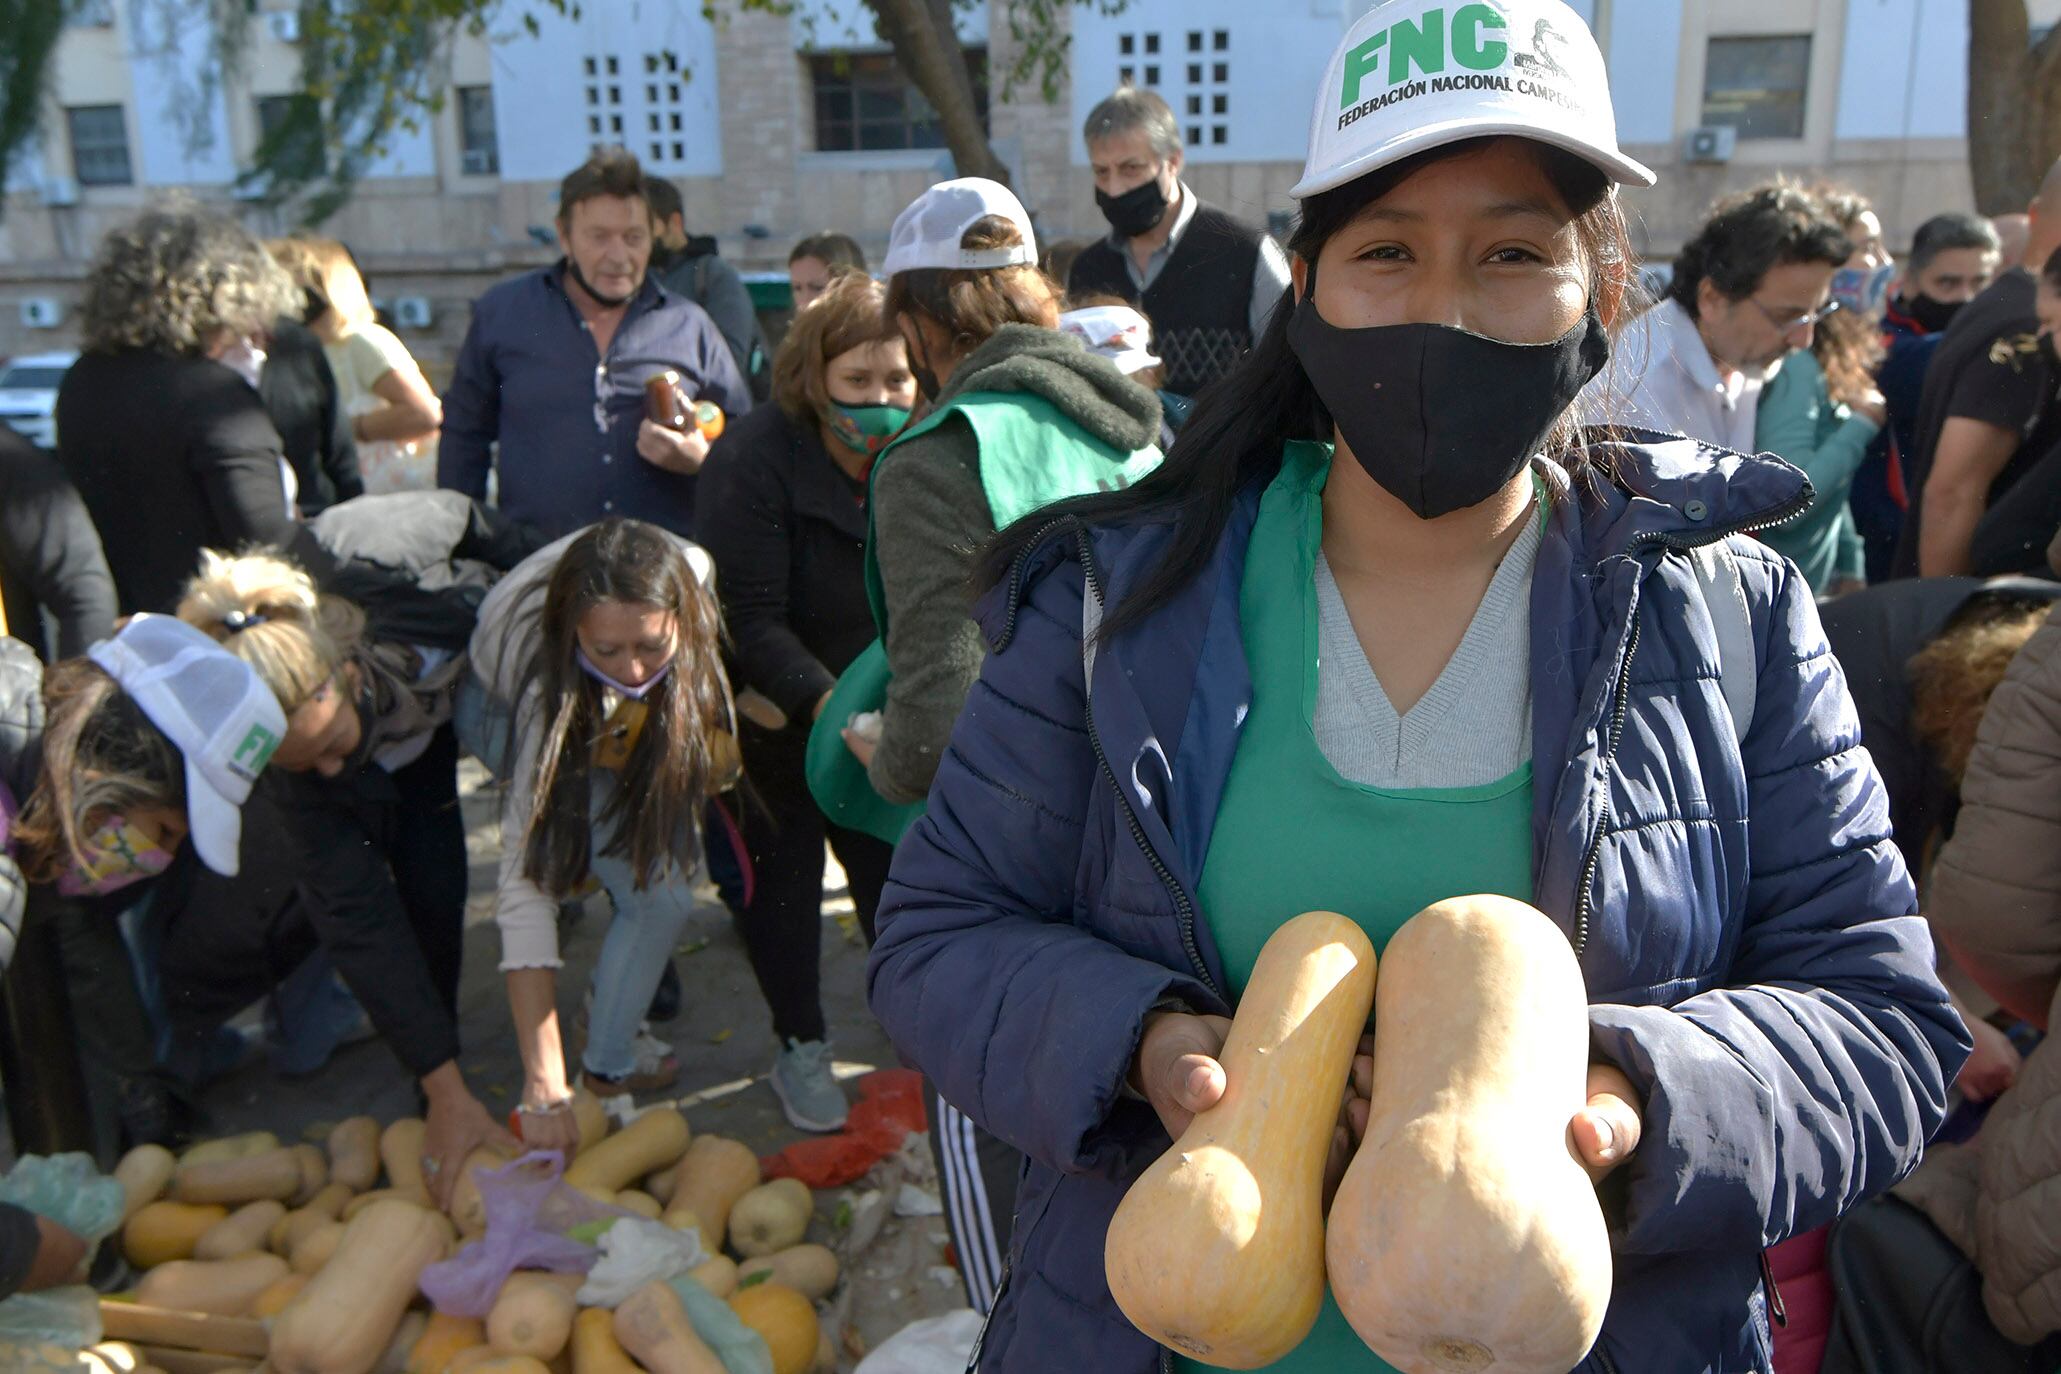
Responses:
[1418,74]
[212,707]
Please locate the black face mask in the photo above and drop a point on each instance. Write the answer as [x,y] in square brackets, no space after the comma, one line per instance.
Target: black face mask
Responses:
[1932,316]
[1442,418]
[1137,211]
[2050,354]
[919,368]
[572,269]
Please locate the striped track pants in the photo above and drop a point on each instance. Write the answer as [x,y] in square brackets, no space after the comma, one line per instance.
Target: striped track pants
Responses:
[977,1177]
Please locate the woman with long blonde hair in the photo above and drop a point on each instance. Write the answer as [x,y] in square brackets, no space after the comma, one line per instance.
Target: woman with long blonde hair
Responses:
[364,805]
[393,411]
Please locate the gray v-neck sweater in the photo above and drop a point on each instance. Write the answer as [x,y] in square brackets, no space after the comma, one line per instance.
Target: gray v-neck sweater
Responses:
[1472,728]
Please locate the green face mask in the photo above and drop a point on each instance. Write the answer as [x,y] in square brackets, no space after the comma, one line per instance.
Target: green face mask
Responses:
[866,429]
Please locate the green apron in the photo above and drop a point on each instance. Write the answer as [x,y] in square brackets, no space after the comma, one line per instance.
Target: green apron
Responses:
[1031,454]
[1293,835]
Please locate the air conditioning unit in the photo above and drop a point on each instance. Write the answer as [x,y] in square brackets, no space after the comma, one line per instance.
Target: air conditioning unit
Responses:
[41,312]
[412,312]
[1711,143]
[60,191]
[284,25]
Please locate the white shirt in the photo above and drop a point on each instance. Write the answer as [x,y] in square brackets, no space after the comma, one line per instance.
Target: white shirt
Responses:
[1269,277]
[1661,376]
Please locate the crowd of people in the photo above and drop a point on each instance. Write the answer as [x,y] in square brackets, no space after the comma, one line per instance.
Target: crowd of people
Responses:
[1100,608]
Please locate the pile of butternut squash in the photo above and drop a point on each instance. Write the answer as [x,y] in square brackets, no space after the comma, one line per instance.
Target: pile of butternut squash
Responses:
[1465,1235]
[327,1244]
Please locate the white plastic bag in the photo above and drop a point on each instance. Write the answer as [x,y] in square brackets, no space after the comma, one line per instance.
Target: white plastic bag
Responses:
[635,1251]
[935,1345]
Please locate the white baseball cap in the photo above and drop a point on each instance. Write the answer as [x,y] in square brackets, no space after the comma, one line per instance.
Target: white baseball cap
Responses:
[1418,74]
[927,232]
[1116,332]
[212,707]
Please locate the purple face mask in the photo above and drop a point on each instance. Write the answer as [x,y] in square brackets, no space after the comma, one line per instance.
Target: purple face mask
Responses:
[633,693]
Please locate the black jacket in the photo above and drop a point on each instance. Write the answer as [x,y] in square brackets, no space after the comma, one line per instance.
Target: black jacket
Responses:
[50,555]
[787,529]
[173,455]
[299,392]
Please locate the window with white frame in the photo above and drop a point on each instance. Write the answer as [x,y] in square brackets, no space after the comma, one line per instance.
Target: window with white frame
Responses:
[1190,68]
[100,145]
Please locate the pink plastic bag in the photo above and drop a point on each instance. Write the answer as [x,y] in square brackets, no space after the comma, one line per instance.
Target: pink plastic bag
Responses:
[534,1221]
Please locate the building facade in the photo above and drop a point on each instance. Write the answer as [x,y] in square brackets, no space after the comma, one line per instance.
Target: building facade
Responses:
[778,126]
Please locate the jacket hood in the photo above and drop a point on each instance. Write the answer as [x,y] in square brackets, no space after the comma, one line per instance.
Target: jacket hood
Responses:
[1088,389]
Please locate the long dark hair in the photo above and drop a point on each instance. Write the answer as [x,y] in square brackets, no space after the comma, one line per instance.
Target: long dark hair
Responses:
[1240,422]
[673,769]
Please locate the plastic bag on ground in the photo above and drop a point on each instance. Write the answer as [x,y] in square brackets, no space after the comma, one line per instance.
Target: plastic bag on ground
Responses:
[68,1189]
[890,1106]
[741,1349]
[935,1345]
[534,1221]
[635,1251]
[46,1331]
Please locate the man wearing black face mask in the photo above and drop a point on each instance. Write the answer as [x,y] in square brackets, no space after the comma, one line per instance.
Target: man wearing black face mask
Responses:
[1953,257]
[1982,394]
[554,366]
[1207,281]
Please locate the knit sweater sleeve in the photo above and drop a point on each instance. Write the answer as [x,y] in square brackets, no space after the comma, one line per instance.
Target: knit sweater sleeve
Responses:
[930,516]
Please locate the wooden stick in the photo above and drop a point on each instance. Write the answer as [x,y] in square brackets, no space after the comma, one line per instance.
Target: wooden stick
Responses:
[235,1337]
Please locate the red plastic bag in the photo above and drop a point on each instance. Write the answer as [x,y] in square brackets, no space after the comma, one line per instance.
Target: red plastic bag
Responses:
[889,1108]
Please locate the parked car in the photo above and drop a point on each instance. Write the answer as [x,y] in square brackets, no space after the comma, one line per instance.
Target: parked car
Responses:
[28,395]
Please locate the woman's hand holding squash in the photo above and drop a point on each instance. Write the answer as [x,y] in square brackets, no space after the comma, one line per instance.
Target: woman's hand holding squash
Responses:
[1606,1130]
[1177,1069]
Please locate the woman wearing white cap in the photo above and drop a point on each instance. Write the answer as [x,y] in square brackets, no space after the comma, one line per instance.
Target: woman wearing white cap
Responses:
[116,759]
[1386,630]
[1021,416]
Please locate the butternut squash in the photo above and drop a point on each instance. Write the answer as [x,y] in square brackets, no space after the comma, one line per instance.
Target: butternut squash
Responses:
[327,1205]
[346,1315]
[639,1204]
[712,1175]
[652,1326]
[771,1217]
[533,1316]
[1218,1249]
[317,1248]
[810,1270]
[241,1232]
[365,1200]
[445,1336]
[595,1349]
[144,1173]
[686,1219]
[164,1231]
[492,1361]
[468,1211]
[659,1183]
[273,1300]
[1466,1235]
[591,1117]
[314,1174]
[274,1174]
[229,1147]
[400,1154]
[718,1275]
[784,1319]
[354,1153]
[652,1141]
[394,1359]
[225,1288]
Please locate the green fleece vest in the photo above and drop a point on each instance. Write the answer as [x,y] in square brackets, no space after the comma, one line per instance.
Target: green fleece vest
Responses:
[1031,454]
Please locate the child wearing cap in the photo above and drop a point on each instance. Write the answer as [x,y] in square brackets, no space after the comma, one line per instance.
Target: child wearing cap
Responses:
[1388,629]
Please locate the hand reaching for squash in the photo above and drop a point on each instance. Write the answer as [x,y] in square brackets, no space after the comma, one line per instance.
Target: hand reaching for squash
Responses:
[1177,1069]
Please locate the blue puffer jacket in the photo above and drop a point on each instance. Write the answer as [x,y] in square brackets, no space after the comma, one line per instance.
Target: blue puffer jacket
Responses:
[1746,928]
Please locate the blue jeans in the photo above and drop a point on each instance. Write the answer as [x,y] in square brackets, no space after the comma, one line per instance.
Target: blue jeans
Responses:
[646,925]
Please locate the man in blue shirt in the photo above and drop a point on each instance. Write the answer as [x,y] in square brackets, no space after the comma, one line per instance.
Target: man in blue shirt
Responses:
[554,365]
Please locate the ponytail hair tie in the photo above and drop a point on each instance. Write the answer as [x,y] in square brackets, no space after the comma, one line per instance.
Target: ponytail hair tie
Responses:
[239,621]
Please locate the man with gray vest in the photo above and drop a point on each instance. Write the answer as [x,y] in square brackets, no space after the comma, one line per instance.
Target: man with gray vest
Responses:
[1206,281]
